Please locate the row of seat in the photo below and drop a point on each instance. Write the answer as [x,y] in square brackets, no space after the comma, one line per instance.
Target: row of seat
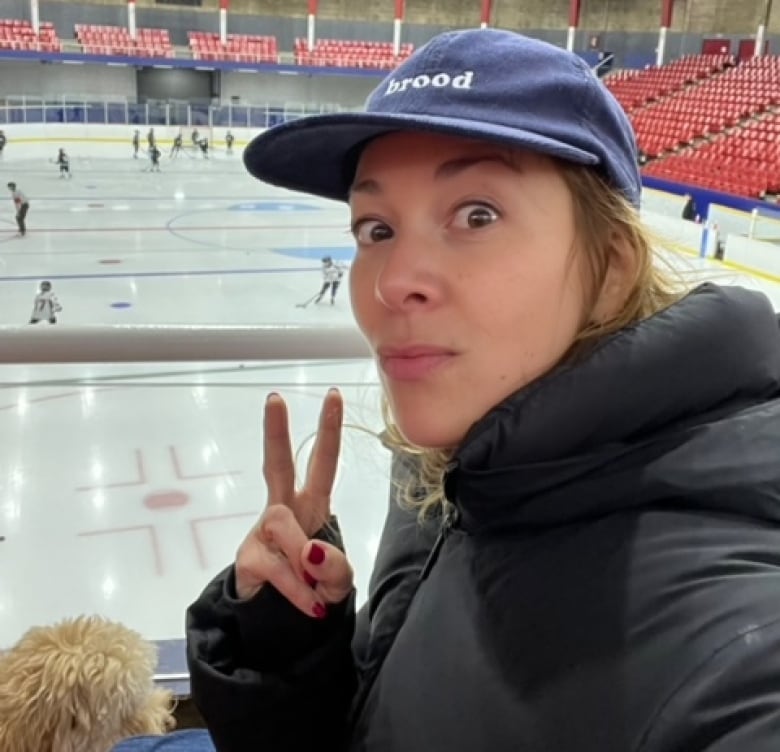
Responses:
[743,160]
[730,175]
[348,61]
[709,107]
[242,48]
[116,40]
[350,53]
[634,89]
[349,45]
[96,39]
[16,34]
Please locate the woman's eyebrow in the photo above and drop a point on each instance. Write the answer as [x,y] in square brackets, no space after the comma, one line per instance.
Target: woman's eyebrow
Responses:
[454,167]
[448,169]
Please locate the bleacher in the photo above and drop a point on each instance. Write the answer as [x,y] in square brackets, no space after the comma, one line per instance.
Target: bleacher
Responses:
[242,48]
[723,134]
[16,34]
[707,109]
[350,53]
[116,40]
[634,89]
[745,162]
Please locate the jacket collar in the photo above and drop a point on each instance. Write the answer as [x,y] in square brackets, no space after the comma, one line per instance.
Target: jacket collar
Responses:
[640,397]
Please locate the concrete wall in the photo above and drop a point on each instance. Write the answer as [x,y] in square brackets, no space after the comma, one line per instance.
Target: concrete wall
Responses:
[101,82]
[53,81]
[708,16]
[349,92]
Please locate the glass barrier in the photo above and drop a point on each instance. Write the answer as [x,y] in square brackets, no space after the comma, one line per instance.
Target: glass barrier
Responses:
[156,113]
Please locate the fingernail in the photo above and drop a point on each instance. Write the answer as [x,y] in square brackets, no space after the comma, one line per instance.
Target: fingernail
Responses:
[316,554]
[271,395]
[319,611]
[309,580]
[333,390]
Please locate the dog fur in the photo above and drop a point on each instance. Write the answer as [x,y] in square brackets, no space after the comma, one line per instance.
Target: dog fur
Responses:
[80,685]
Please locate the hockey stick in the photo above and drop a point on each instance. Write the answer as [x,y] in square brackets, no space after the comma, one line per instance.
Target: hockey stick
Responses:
[306,302]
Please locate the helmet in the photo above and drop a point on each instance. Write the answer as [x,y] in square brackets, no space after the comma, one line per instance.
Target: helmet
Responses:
[45,285]
[327,260]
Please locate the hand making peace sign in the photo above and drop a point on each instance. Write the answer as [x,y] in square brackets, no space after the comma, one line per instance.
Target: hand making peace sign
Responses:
[279,549]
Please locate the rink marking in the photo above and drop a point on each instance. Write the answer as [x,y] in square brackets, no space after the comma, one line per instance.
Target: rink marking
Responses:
[195,531]
[180,475]
[158,565]
[139,480]
[194,228]
[184,273]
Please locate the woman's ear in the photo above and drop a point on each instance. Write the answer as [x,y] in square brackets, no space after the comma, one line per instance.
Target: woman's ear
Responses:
[622,270]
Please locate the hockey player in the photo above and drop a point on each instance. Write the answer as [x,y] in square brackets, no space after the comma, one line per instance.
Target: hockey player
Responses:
[195,137]
[45,305]
[229,142]
[3,142]
[176,148]
[136,143]
[154,156]
[64,162]
[204,147]
[22,206]
[332,273]
[150,139]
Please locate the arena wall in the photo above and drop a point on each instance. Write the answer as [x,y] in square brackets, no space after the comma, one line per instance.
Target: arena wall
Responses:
[626,27]
[693,16]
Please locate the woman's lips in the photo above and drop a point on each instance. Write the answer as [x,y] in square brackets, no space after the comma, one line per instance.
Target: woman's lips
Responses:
[414,362]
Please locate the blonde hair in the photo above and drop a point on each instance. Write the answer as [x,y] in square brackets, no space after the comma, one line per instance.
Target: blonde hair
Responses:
[601,215]
[80,684]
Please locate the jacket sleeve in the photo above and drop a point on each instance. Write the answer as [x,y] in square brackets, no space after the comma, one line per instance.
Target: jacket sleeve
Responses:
[730,704]
[266,676]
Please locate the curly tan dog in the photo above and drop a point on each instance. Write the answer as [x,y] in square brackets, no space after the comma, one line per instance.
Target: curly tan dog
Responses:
[79,686]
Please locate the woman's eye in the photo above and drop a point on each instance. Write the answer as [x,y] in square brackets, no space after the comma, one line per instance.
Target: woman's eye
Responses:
[369,231]
[475,216]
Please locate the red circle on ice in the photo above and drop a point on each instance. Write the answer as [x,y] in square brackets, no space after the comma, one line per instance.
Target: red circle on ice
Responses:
[166,499]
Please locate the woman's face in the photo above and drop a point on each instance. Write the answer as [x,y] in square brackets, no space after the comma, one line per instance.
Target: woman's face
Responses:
[465,281]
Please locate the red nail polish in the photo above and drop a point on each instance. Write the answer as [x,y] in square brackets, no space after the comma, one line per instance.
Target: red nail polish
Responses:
[309,580]
[316,554]
[319,611]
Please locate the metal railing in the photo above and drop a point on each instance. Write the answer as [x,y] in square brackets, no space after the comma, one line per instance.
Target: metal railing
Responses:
[169,343]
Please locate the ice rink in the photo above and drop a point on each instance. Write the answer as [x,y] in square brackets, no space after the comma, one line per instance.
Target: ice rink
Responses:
[124,488]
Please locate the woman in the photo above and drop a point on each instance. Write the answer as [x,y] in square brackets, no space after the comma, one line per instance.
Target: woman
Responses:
[588,553]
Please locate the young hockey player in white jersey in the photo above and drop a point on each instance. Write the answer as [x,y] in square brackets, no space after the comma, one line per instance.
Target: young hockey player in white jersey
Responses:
[332,272]
[45,305]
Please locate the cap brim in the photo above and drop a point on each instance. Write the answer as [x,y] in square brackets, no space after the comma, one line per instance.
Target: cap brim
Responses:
[318,154]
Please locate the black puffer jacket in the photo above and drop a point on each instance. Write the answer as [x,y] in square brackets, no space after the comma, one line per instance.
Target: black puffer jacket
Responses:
[609,581]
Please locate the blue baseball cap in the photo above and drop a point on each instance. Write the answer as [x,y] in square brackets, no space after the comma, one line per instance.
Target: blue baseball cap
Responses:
[486,84]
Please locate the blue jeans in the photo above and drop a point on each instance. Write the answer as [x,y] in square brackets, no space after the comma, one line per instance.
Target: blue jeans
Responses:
[191,740]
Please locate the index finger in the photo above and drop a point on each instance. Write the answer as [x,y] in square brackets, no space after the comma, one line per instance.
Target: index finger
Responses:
[324,459]
[278,465]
